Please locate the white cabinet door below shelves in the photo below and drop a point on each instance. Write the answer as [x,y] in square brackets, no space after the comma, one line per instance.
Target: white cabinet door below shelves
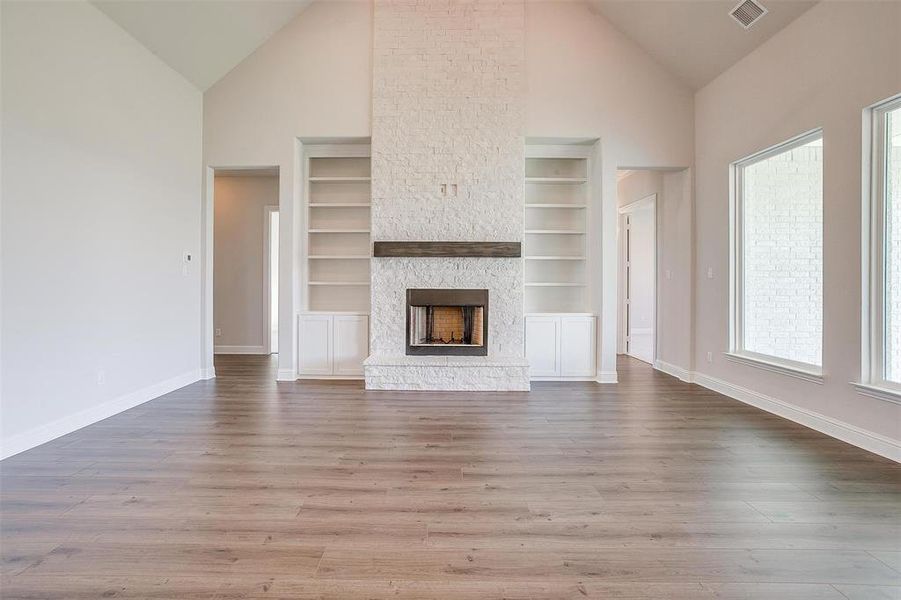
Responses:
[543,346]
[351,343]
[577,346]
[315,344]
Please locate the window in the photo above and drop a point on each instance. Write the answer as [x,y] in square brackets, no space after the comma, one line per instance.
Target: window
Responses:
[777,258]
[882,251]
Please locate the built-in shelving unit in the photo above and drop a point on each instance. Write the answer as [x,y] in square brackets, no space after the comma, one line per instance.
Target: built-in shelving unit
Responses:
[556,222]
[338,247]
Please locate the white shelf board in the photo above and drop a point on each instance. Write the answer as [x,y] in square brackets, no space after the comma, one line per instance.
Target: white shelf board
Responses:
[562,312]
[339,257]
[336,283]
[554,232]
[340,205]
[333,312]
[557,205]
[539,257]
[556,180]
[554,284]
[338,179]
[337,231]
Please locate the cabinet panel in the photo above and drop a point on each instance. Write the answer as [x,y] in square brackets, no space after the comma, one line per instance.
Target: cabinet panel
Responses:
[351,344]
[315,345]
[577,346]
[543,346]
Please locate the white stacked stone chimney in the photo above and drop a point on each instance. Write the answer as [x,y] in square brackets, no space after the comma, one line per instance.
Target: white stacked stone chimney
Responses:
[447,165]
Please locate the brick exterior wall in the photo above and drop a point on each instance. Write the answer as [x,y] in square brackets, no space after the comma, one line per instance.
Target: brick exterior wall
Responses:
[447,108]
[783,255]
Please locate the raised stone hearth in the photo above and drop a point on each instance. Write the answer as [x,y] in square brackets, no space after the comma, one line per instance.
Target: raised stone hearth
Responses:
[449,373]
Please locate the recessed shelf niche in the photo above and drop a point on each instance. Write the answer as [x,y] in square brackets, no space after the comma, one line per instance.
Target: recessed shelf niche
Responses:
[338,223]
[556,224]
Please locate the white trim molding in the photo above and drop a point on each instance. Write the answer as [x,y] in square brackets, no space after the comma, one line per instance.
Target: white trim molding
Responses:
[867,440]
[60,427]
[878,392]
[845,432]
[676,371]
[607,377]
[240,350]
[783,368]
[209,373]
[286,375]
[875,204]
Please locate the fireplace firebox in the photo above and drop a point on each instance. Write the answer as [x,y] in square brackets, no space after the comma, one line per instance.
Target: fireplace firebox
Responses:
[447,322]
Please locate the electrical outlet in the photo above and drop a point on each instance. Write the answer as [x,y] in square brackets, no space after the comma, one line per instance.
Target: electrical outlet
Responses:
[669,274]
[218,332]
[101,377]
[709,272]
[710,357]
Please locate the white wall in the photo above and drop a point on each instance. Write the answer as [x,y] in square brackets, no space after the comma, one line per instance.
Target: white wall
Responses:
[240,249]
[586,79]
[100,197]
[674,260]
[311,79]
[675,273]
[820,71]
[583,79]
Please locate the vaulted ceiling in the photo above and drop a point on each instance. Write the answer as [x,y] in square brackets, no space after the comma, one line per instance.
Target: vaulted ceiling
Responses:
[696,39]
[204,39]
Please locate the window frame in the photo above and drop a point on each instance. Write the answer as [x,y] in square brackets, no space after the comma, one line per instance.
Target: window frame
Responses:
[874,256]
[737,351]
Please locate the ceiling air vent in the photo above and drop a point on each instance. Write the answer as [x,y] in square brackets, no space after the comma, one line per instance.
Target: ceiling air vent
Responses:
[747,12]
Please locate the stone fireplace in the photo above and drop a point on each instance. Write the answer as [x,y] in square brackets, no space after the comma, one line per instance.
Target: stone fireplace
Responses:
[447,171]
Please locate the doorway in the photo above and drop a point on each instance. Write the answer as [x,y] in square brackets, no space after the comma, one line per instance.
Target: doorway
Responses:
[638,277]
[245,265]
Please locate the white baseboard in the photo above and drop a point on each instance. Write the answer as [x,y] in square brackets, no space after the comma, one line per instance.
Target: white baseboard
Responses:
[845,432]
[239,350]
[671,369]
[607,377]
[60,427]
[286,375]
[209,373]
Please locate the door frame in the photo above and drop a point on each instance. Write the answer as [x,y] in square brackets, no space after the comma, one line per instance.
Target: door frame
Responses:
[267,288]
[207,252]
[625,292]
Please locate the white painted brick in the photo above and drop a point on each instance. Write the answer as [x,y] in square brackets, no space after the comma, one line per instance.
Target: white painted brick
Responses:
[783,215]
[448,107]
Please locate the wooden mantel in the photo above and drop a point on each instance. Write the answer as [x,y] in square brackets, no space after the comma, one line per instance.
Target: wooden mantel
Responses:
[447,249]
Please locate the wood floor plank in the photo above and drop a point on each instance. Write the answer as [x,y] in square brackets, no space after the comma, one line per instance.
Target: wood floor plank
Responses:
[241,488]
[870,592]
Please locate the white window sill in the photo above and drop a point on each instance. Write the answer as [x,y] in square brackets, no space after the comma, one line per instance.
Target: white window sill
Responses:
[811,374]
[879,392]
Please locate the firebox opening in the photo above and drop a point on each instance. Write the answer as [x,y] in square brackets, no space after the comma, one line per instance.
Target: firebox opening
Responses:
[447,322]
[446,325]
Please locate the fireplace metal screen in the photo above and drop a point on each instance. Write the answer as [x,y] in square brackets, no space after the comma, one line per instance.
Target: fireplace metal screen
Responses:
[447,322]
